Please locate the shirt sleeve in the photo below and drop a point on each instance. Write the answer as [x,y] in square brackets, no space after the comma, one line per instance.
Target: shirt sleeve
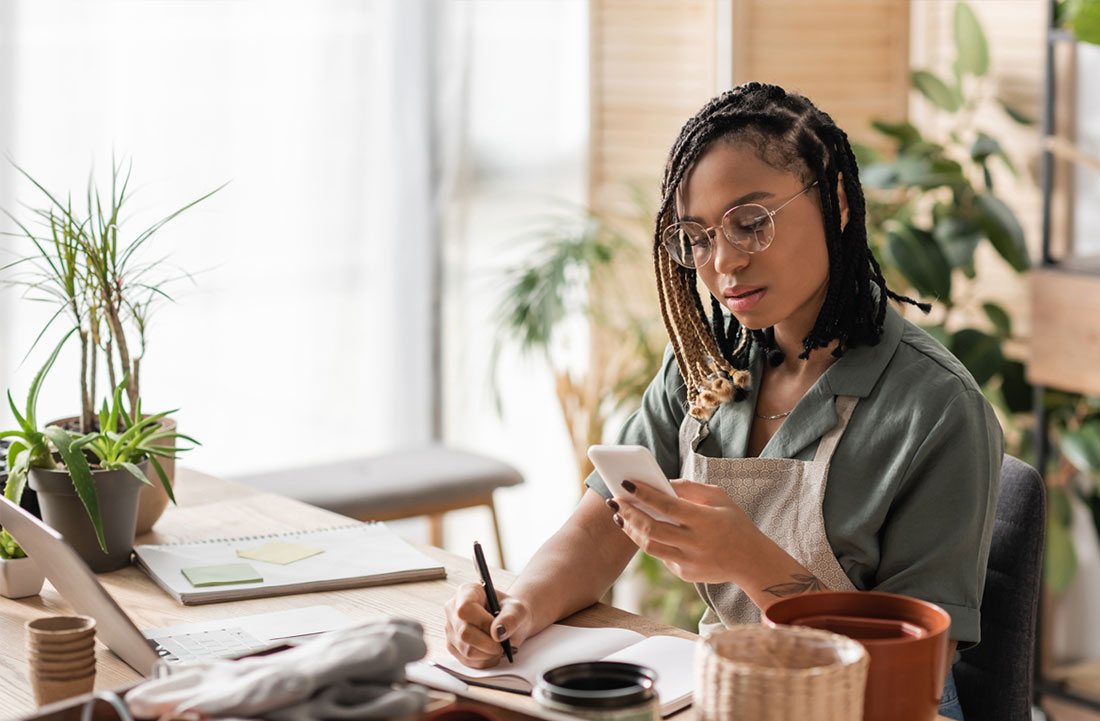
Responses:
[656,423]
[935,541]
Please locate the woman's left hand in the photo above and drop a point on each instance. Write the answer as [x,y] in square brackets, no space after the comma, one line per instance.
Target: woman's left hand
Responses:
[715,541]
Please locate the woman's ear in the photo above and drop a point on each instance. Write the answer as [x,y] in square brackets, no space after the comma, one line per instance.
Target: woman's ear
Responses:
[842,201]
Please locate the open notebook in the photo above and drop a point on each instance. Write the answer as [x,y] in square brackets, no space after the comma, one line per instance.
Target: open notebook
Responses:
[363,554]
[558,645]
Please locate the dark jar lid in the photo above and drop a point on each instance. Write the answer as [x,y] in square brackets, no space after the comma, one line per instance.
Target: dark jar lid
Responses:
[598,684]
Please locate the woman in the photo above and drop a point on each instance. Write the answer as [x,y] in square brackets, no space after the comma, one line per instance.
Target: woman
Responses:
[819,440]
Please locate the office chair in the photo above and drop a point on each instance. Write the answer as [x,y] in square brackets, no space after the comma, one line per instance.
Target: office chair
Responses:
[994,679]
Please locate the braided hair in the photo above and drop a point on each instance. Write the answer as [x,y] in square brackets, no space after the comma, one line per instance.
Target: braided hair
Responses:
[789,133]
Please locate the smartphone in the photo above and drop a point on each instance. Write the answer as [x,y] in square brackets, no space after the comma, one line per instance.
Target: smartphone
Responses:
[631,463]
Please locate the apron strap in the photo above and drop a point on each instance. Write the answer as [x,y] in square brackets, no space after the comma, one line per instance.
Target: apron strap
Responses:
[844,407]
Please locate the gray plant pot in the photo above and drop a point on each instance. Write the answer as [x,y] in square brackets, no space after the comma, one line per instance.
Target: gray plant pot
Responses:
[62,509]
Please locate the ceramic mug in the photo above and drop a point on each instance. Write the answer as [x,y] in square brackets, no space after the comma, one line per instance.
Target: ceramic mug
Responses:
[905,637]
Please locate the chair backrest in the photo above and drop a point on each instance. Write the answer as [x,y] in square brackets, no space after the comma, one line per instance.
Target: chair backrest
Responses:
[994,678]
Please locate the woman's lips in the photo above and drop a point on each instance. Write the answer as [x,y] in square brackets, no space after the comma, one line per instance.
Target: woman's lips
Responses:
[743,299]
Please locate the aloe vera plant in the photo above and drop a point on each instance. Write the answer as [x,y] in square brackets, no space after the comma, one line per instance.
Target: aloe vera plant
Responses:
[29,447]
[122,441]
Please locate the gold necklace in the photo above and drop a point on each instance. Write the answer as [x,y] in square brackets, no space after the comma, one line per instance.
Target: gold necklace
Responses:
[772,418]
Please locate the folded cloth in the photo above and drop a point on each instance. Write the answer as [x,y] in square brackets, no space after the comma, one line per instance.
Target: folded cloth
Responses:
[352,673]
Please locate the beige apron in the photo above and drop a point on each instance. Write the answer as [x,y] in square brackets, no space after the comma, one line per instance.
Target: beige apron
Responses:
[783,498]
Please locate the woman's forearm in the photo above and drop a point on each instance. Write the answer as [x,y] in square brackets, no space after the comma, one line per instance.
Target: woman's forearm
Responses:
[576,566]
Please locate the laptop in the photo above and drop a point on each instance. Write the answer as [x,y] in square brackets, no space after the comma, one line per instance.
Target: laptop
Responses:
[221,638]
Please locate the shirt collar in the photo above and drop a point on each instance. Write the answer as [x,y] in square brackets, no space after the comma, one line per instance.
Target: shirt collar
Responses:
[855,374]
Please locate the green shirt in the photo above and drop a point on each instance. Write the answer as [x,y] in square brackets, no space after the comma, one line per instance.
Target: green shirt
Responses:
[912,487]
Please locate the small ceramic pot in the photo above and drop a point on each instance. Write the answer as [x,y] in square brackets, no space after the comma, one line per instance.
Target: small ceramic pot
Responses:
[20,577]
[905,637]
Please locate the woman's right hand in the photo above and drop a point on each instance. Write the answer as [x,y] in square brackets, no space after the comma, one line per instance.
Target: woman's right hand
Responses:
[474,634]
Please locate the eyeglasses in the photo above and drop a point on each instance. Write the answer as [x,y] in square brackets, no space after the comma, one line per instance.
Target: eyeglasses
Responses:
[748,227]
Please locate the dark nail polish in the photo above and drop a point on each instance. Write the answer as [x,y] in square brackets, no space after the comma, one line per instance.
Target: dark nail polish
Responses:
[618,520]
[612,505]
[629,487]
[500,632]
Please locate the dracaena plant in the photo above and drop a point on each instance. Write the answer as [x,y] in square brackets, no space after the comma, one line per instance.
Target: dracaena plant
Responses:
[120,443]
[97,277]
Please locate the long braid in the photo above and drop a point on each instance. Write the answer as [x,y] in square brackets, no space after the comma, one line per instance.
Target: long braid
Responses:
[790,134]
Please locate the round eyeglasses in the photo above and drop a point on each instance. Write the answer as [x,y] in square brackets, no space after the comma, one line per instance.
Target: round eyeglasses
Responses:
[748,227]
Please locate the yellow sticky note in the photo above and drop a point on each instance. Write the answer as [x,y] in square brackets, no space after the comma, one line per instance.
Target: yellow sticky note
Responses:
[279,552]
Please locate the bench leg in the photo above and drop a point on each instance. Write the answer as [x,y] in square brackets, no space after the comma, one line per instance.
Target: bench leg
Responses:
[435,529]
[496,531]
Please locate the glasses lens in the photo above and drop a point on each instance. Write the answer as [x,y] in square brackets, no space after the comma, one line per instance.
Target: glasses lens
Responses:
[687,243]
[749,227]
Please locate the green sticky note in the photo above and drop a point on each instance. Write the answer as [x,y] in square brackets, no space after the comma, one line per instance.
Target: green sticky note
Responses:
[279,552]
[221,575]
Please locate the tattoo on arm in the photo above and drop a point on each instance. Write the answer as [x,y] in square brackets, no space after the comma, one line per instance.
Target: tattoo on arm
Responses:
[801,583]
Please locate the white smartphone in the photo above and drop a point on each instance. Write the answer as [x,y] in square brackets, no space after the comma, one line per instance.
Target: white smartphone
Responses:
[631,463]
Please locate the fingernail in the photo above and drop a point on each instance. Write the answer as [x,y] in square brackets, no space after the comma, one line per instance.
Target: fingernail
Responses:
[500,633]
[629,487]
[612,505]
[618,520]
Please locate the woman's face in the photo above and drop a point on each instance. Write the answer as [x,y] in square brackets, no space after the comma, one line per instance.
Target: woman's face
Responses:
[783,285]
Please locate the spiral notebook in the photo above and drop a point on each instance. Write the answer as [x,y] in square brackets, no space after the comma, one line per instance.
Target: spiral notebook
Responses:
[364,554]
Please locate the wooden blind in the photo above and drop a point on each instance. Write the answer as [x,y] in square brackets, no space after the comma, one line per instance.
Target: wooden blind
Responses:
[652,67]
[850,57]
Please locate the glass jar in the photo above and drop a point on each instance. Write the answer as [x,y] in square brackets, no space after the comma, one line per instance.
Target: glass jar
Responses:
[600,691]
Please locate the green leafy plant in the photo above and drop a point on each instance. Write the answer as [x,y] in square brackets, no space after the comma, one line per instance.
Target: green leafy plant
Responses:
[122,441]
[934,202]
[99,281]
[579,269]
[1081,17]
[930,206]
[29,447]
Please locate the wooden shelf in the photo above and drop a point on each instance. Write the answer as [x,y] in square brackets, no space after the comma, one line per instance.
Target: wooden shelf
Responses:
[1068,150]
[1065,337]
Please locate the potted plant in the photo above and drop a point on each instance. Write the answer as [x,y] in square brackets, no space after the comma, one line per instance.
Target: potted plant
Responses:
[106,290]
[88,483]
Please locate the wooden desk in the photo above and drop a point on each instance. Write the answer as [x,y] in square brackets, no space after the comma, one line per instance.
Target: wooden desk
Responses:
[213,508]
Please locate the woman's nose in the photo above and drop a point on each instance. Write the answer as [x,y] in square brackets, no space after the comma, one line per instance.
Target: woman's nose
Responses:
[727,257]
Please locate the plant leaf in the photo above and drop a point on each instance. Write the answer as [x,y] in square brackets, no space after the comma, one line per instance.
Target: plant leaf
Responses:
[163,479]
[1003,230]
[979,352]
[81,475]
[904,132]
[971,46]
[916,254]
[999,318]
[1086,22]
[1081,447]
[936,90]
[136,472]
[1019,396]
[1060,558]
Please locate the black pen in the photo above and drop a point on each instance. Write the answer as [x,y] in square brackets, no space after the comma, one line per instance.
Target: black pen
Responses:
[490,593]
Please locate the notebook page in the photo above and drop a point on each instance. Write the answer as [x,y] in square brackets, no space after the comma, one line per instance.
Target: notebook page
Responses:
[672,658]
[555,645]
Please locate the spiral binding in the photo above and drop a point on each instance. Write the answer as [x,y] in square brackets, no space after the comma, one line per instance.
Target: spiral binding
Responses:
[263,536]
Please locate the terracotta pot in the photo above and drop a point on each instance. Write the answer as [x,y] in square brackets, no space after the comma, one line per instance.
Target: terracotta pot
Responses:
[20,577]
[905,637]
[152,500]
[62,509]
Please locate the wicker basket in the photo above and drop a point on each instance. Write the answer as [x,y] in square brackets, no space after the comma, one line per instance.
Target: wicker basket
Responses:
[756,673]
